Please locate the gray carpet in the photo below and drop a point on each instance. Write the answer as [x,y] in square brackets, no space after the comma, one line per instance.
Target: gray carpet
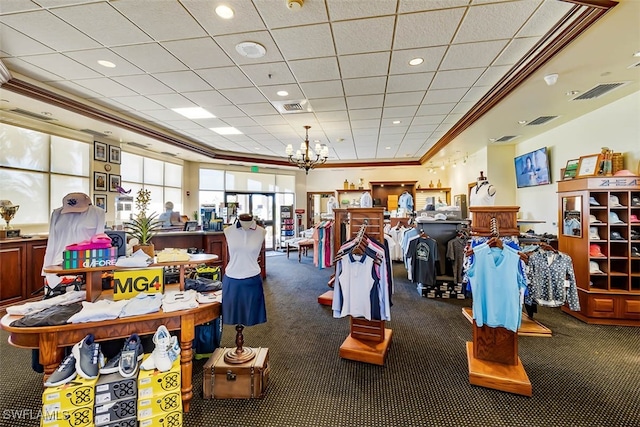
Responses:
[585,375]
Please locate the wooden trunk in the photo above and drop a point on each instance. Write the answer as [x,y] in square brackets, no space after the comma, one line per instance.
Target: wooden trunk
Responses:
[247,380]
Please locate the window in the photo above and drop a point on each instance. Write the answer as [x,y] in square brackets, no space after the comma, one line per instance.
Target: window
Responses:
[37,170]
[162,179]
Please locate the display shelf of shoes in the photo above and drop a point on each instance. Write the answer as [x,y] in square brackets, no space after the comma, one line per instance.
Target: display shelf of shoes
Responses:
[607,271]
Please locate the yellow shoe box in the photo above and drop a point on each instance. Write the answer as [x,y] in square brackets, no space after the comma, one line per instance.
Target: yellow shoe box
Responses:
[168,419]
[76,417]
[159,404]
[74,394]
[152,383]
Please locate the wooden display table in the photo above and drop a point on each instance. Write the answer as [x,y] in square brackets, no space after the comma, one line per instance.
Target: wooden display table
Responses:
[51,340]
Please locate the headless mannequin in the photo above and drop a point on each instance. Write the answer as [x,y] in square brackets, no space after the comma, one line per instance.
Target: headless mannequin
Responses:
[242,281]
[483,193]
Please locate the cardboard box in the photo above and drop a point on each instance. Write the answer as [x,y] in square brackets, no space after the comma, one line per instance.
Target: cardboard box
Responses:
[153,383]
[236,381]
[76,417]
[129,422]
[114,411]
[112,387]
[168,419]
[74,394]
[159,404]
[127,283]
[89,258]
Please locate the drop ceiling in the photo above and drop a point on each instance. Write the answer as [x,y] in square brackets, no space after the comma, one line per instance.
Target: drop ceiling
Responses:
[346,62]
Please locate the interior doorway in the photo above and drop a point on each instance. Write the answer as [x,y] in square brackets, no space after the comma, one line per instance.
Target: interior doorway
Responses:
[317,206]
[260,205]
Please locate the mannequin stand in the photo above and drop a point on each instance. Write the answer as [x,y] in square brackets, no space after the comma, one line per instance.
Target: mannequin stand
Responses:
[239,354]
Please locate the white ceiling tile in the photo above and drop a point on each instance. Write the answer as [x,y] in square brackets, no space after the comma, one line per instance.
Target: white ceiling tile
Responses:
[435,109]
[404,98]
[259,109]
[91,57]
[364,86]
[225,77]
[428,120]
[110,103]
[207,99]
[452,119]
[246,17]
[239,121]
[427,29]
[364,65]
[274,73]
[139,103]
[27,69]
[432,57]
[212,123]
[316,69]
[399,112]
[49,30]
[226,111]
[247,95]
[190,52]
[420,129]
[106,87]
[494,21]
[336,127]
[368,101]
[144,84]
[270,120]
[545,17]
[150,57]
[62,66]
[392,132]
[327,89]
[170,21]
[328,104]
[456,78]
[277,15]
[474,94]
[369,113]
[18,6]
[229,42]
[349,35]
[102,22]
[409,82]
[515,50]
[422,5]
[178,124]
[472,55]
[332,116]
[317,41]
[363,124]
[340,10]
[75,88]
[183,81]
[172,100]
[443,96]
[16,43]
[463,107]
[492,75]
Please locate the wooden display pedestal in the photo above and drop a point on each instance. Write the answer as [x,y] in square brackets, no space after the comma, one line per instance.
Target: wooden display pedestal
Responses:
[326,298]
[494,363]
[368,342]
[528,327]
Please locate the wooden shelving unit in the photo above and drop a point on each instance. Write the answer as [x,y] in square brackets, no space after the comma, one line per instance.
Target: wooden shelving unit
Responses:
[611,297]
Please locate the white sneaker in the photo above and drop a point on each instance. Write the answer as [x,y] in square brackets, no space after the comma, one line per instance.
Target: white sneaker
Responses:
[159,358]
[174,349]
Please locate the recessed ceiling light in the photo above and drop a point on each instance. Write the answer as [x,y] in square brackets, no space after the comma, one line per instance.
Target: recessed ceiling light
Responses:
[416,61]
[194,113]
[396,122]
[387,148]
[226,131]
[492,139]
[224,12]
[340,140]
[572,92]
[521,122]
[282,93]
[107,64]
[251,50]
[46,113]
[637,54]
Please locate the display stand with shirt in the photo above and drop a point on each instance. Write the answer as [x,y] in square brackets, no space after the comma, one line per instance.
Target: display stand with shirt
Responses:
[483,193]
[243,302]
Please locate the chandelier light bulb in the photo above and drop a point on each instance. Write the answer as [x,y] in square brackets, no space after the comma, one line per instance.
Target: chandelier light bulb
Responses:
[289,149]
[302,159]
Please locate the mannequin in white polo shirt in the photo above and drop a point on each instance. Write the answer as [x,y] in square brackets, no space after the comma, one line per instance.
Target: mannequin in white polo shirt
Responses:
[483,193]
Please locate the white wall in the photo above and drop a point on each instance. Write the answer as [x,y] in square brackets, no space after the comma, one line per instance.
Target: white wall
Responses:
[616,125]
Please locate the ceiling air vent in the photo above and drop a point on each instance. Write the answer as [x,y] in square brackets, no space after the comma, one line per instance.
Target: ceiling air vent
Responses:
[135,144]
[541,120]
[166,153]
[94,132]
[32,115]
[292,107]
[506,138]
[598,91]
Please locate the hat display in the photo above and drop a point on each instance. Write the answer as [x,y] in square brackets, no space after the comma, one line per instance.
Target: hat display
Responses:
[593,233]
[635,201]
[635,251]
[593,219]
[616,236]
[635,235]
[594,268]
[595,251]
[75,202]
[593,201]
[440,216]
[633,218]
[614,201]
[613,218]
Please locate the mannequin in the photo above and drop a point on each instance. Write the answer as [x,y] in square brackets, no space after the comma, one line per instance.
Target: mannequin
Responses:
[76,221]
[332,203]
[243,301]
[483,193]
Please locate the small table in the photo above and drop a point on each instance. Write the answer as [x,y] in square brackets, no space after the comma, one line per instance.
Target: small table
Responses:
[302,245]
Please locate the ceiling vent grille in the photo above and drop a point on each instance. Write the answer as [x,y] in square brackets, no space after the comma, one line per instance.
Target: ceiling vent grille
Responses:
[598,91]
[135,144]
[166,153]
[541,120]
[94,132]
[292,107]
[506,138]
[32,115]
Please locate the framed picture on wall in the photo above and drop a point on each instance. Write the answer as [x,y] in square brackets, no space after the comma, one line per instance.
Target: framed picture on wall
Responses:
[114,182]
[99,151]
[114,154]
[588,165]
[99,181]
[100,200]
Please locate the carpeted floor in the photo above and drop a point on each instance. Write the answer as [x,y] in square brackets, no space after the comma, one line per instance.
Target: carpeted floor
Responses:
[585,375]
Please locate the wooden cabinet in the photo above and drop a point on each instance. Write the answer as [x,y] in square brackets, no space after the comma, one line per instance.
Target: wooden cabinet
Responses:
[350,198]
[20,269]
[383,190]
[601,233]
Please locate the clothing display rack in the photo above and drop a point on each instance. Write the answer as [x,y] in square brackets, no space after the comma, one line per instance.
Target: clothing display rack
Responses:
[493,354]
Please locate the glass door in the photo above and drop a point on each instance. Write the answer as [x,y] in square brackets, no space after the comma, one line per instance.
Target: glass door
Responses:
[260,205]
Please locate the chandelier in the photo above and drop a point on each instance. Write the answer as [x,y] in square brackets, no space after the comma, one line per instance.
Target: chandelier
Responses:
[302,159]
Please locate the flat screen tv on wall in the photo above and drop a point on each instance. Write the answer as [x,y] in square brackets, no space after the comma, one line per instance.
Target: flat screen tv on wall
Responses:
[532,169]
